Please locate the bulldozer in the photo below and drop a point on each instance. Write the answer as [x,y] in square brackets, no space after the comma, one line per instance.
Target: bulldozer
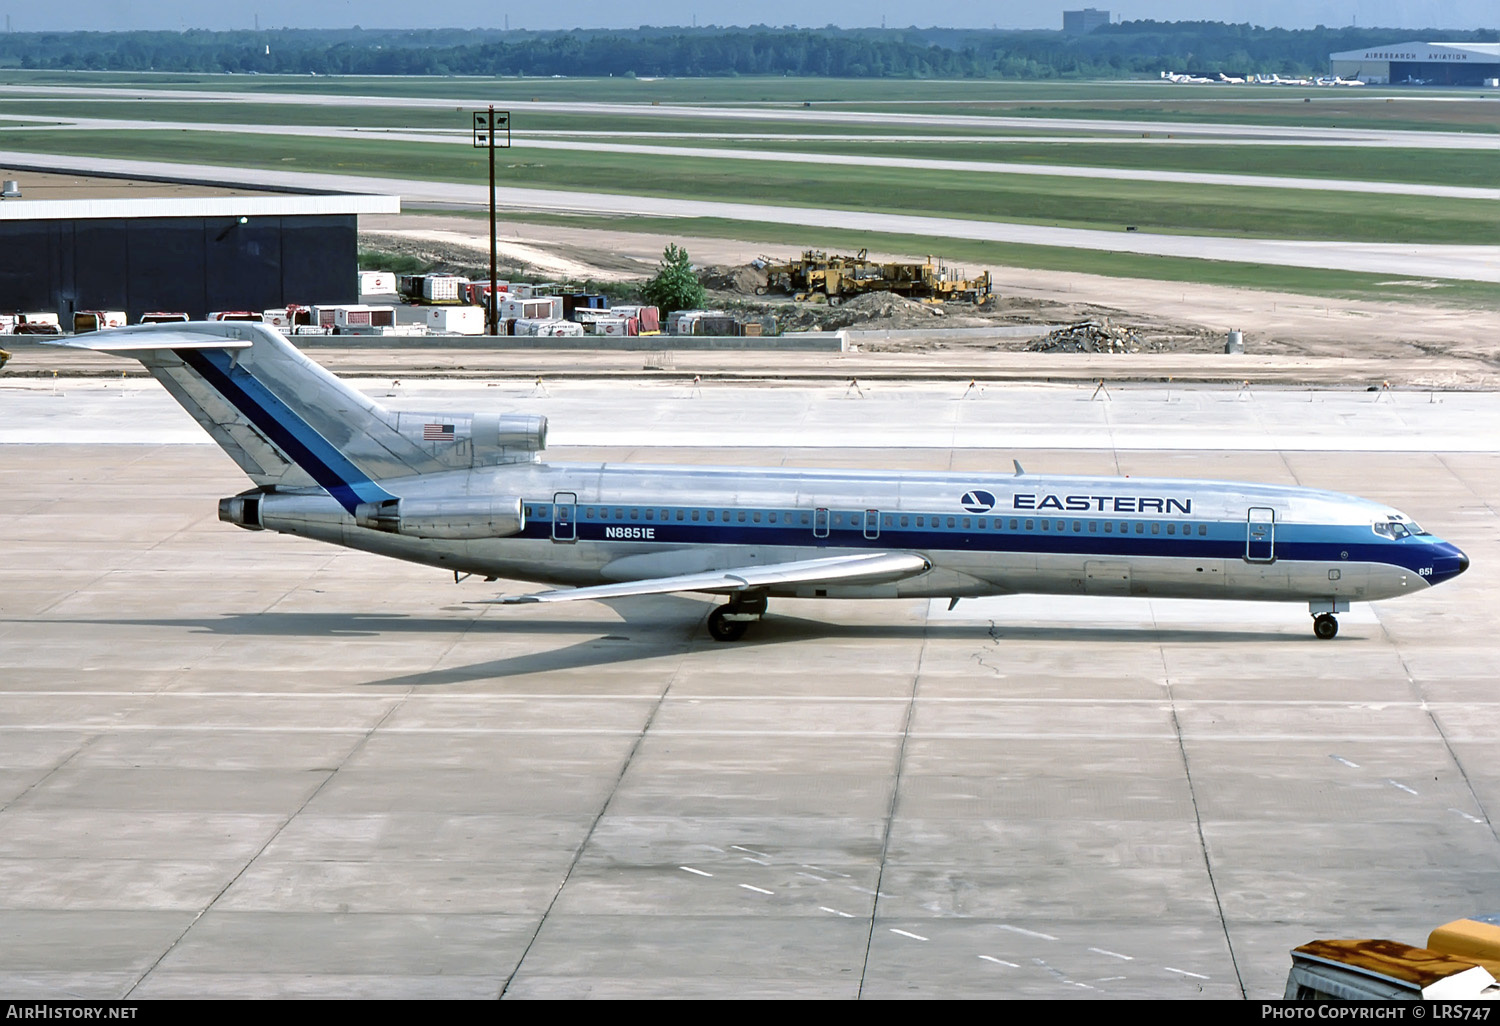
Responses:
[821,277]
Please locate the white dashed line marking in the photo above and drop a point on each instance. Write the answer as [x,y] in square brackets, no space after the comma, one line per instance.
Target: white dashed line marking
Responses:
[913,936]
[1346,762]
[1401,787]
[1026,933]
[1113,954]
[825,908]
[810,876]
[999,961]
[1184,972]
[752,851]
[695,872]
[1465,815]
[758,862]
[757,890]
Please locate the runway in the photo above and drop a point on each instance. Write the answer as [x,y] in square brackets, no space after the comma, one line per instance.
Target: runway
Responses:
[456,137]
[237,764]
[824,113]
[1463,262]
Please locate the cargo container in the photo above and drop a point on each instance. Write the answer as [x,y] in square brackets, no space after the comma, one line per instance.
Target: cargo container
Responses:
[476,292]
[377,283]
[35,324]
[98,320]
[235,315]
[442,288]
[616,326]
[368,329]
[688,322]
[549,308]
[455,320]
[584,301]
[588,318]
[289,316]
[545,326]
[339,316]
[720,325]
[648,318]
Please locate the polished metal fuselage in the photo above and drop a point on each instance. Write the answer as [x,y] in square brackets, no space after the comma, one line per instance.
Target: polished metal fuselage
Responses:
[983,534]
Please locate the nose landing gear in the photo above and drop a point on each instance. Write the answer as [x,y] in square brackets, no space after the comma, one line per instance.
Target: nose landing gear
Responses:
[1325,626]
[729,621]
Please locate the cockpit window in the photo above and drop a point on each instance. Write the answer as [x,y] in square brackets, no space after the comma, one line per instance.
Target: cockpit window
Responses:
[1395,529]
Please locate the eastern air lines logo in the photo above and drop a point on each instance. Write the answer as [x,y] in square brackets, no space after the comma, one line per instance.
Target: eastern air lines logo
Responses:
[978,500]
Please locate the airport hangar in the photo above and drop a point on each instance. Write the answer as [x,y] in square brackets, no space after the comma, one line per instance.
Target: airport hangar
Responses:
[1448,64]
[193,253]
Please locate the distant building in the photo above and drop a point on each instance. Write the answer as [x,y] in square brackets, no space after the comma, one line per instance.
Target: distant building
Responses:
[1449,64]
[190,254]
[1076,23]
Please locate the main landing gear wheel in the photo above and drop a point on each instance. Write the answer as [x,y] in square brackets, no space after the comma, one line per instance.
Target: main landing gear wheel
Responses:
[720,628]
[729,621]
[1325,626]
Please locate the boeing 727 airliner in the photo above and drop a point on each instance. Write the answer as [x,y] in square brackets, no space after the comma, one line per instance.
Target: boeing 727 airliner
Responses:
[468,492]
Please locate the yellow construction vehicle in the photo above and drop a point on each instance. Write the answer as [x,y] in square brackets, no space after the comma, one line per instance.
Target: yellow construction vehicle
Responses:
[1459,962]
[819,276]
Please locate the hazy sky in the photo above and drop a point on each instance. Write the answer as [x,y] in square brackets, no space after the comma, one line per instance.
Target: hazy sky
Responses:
[558,14]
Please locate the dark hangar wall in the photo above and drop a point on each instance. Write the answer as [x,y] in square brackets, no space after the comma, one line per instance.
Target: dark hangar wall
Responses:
[196,264]
[1443,73]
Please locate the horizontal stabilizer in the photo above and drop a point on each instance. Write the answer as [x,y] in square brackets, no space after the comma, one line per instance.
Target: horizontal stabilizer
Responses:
[863,568]
[118,342]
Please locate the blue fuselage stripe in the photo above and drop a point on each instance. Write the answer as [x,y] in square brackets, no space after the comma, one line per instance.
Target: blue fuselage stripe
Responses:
[289,432]
[1226,540]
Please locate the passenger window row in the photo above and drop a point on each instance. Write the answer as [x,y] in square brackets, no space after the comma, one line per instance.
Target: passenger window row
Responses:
[892,521]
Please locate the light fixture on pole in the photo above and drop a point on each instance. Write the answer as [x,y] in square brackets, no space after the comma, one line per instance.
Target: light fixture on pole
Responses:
[489,125]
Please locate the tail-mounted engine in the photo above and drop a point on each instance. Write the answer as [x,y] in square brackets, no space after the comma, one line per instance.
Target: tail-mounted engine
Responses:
[242,511]
[444,518]
[477,439]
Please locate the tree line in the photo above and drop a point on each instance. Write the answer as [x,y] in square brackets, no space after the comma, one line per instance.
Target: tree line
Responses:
[1124,50]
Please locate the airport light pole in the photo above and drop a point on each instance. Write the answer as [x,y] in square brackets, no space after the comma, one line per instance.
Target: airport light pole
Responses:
[487,125]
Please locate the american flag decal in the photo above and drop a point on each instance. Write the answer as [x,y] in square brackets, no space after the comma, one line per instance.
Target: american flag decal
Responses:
[437,432]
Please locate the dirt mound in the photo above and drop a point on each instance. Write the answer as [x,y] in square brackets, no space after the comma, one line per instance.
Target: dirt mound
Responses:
[887,305]
[742,280]
[1089,337]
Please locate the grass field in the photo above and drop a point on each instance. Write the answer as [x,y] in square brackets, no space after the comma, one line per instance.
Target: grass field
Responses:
[696,90]
[1418,166]
[782,243]
[1030,199]
[1069,202]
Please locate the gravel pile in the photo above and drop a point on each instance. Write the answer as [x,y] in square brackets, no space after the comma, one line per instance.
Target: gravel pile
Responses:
[1088,337]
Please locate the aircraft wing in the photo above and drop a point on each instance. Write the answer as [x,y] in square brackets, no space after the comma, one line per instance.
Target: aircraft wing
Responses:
[863,568]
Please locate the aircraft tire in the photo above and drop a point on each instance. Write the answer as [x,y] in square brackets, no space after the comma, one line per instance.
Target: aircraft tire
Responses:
[1325,626]
[721,629]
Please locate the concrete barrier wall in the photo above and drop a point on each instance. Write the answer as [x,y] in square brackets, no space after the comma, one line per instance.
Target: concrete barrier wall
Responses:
[804,341]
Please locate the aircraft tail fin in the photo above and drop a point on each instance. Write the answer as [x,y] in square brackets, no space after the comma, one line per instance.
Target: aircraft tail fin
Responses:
[282,418]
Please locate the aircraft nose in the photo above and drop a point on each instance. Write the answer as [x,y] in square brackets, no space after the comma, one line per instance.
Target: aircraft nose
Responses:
[1449,564]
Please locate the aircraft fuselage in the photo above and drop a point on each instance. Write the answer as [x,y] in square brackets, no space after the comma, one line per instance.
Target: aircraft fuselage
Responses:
[984,534]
